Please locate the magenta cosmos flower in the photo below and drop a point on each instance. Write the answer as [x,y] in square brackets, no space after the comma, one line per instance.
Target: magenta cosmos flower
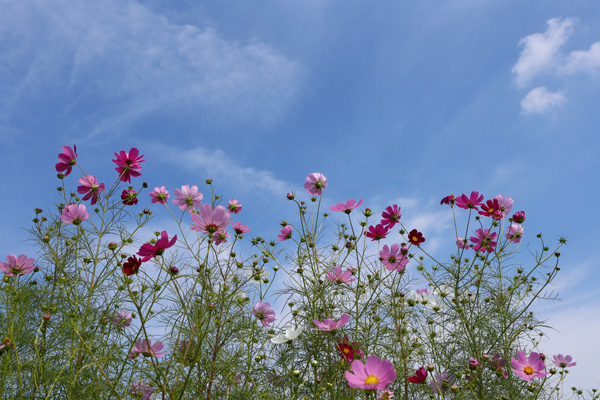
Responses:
[129,197]
[474,200]
[14,265]
[315,183]
[285,233]
[331,325]
[374,374]
[90,188]
[141,390]
[515,233]
[420,376]
[377,232]
[147,349]
[484,240]
[563,361]
[491,208]
[393,258]
[209,220]
[448,200]
[160,195]
[391,216]
[519,217]
[346,207]
[234,206]
[530,367]
[262,312]
[148,251]
[239,228]
[128,164]
[66,160]
[339,276]
[122,319]
[74,214]
[188,198]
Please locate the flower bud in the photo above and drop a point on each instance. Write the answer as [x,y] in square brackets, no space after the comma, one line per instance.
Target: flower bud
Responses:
[209,181]
[173,270]
[112,246]
[290,196]
[430,367]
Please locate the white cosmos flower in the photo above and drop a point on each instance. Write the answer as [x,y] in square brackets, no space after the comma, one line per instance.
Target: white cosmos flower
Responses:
[289,335]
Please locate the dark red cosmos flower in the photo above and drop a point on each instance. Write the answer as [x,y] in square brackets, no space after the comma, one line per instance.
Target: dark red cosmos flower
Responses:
[519,217]
[491,208]
[349,351]
[419,377]
[416,237]
[448,200]
[149,251]
[129,197]
[377,232]
[128,164]
[132,265]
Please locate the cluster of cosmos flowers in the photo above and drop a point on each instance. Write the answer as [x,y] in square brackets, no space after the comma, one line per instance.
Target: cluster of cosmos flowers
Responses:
[374,373]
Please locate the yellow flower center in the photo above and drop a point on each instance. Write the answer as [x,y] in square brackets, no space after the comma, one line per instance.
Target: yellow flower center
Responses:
[415,239]
[371,380]
[528,370]
[346,351]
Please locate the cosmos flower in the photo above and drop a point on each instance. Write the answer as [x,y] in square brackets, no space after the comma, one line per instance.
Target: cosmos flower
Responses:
[339,276]
[74,214]
[141,390]
[90,188]
[441,382]
[188,198]
[234,206]
[148,251]
[393,258]
[506,204]
[515,233]
[122,319]
[330,325]
[484,240]
[128,164]
[315,183]
[131,266]
[374,374]
[262,312]
[472,201]
[415,237]
[289,335]
[462,243]
[160,195]
[285,233]
[67,159]
[491,208]
[391,216]
[420,376]
[377,232]
[563,361]
[530,367]
[349,350]
[209,220]
[346,207]
[238,228]
[15,266]
[147,349]
[519,217]
[129,197]
[448,200]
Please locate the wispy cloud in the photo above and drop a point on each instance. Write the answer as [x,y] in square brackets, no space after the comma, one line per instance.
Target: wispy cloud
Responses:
[117,61]
[540,100]
[584,60]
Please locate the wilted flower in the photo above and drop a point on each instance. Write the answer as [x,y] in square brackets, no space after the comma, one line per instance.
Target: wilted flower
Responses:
[129,197]
[519,217]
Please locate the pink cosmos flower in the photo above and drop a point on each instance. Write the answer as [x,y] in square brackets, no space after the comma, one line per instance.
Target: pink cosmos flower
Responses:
[563,361]
[506,204]
[530,367]
[377,232]
[160,195]
[315,183]
[74,214]
[234,206]
[515,233]
[420,376]
[188,198]
[90,188]
[491,208]
[17,266]
[128,164]
[262,312]
[141,390]
[374,374]
[448,200]
[331,325]
[484,240]
[346,207]
[147,349]
[393,259]
[209,220]
[386,395]
[391,216]
[519,217]
[285,233]
[122,319]
[441,382]
[239,228]
[148,251]
[469,202]
[129,197]
[220,237]
[339,276]
[462,243]
[67,159]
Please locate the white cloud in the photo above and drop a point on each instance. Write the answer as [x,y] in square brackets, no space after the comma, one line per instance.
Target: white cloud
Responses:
[540,50]
[584,60]
[540,100]
[117,61]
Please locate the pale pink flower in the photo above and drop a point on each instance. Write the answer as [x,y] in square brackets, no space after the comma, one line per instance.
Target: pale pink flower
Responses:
[441,382]
[315,183]
[393,258]
[122,319]
[339,276]
[209,220]
[239,228]
[285,233]
[373,374]
[220,237]
[346,207]
[187,198]
[128,164]
[147,349]
[14,265]
[386,395]
[160,195]
[67,159]
[462,243]
[530,367]
[234,206]
[506,204]
[262,312]
[74,214]
[90,188]
[515,233]
[563,361]
[141,390]
[331,325]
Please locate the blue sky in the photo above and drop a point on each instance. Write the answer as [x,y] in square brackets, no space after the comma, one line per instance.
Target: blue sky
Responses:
[393,101]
